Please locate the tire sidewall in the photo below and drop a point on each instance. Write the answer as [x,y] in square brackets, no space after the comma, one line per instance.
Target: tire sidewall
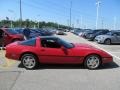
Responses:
[107,43]
[36,62]
[86,59]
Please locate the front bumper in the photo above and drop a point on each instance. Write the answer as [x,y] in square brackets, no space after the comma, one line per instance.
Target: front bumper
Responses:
[107,60]
[99,40]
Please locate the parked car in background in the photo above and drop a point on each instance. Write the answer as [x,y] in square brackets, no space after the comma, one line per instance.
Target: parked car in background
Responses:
[91,36]
[60,32]
[19,30]
[10,35]
[84,32]
[77,31]
[40,32]
[113,37]
[53,50]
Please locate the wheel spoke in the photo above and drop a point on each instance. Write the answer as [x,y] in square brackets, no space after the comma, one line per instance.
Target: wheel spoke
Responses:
[93,62]
[29,61]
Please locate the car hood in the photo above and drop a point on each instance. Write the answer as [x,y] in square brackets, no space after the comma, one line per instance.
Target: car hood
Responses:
[103,36]
[81,45]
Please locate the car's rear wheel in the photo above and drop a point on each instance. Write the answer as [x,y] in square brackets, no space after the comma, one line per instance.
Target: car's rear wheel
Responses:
[92,62]
[107,42]
[29,61]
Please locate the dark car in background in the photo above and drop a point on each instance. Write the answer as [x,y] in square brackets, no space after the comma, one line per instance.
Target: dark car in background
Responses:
[77,31]
[84,32]
[92,34]
[40,32]
[37,32]
[19,30]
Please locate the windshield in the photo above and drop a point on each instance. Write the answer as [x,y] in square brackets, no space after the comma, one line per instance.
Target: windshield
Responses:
[109,33]
[66,44]
[11,31]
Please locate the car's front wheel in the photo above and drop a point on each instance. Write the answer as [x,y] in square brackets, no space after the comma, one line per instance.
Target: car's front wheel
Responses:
[107,42]
[92,62]
[29,61]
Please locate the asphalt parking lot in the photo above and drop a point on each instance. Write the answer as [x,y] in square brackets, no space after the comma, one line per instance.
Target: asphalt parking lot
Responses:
[62,77]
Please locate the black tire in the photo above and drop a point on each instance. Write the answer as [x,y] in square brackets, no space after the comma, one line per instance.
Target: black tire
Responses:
[107,42]
[32,59]
[88,60]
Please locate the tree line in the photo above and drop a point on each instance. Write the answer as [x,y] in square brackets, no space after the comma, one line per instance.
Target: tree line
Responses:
[31,24]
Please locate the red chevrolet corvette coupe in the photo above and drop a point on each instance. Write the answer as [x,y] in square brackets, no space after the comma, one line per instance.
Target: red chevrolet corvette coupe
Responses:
[53,50]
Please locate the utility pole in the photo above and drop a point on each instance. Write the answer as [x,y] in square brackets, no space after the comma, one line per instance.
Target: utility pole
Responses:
[102,24]
[97,14]
[77,23]
[81,22]
[11,22]
[114,23]
[70,13]
[38,21]
[58,25]
[38,24]
[20,14]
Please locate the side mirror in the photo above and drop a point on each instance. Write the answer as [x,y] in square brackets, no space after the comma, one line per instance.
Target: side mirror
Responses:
[115,35]
[63,48]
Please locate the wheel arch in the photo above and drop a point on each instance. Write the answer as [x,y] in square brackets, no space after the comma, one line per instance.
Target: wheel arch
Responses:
[28,53]
[93,54]
[15,39]
[108,39]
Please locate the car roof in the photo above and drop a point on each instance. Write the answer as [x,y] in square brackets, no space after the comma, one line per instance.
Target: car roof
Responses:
[48,37]
[114,31]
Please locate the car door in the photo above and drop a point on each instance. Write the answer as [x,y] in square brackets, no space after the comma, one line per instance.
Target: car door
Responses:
[52,52]
[7,38]
[116,36]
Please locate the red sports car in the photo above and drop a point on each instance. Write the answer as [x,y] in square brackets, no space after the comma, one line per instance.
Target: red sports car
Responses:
[53,50]
[10,36]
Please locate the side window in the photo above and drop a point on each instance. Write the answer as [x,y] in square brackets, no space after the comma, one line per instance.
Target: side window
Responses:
[50,43]
[118,33]
[31,42]
[104,32]
[1,33]
[115,34]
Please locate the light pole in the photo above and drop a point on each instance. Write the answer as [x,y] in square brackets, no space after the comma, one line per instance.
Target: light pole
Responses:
[38,24]
[20,14]
[114,23]
[11,22]
[70,13]
[81,21]
[97,14]
[102,23]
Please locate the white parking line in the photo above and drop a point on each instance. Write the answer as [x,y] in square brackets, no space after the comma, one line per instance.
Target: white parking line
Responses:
[115,52]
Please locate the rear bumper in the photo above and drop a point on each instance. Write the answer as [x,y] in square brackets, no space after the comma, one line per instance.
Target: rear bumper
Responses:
[12,56]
